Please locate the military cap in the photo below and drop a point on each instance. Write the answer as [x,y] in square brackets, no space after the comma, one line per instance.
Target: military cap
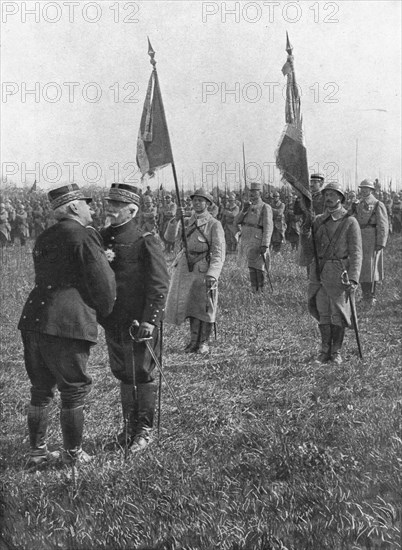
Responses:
[319,177]
[255,186]
[202,193]
[66,193]
[367,183]
[334,186]
[122,192]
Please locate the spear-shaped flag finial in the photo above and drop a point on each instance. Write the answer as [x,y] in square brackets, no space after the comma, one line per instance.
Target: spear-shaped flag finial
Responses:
[151,53]
[289,47]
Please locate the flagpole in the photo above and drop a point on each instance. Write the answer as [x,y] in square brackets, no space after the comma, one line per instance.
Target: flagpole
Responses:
[151,54]
[356,182]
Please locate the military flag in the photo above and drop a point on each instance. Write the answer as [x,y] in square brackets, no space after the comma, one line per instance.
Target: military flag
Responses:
[33,188]
[153,144]
[291,156]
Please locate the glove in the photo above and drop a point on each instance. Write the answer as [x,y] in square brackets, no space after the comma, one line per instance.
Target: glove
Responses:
[145,331]
[210,281]
[179,213]
[263,249]
[353,286]
[307,221]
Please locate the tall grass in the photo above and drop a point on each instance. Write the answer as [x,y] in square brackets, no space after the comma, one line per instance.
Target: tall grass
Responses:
[270,452]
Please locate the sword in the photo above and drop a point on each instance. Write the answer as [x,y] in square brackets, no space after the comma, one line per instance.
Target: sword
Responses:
[267,270]
[132,330]
[373,273]
[346,282]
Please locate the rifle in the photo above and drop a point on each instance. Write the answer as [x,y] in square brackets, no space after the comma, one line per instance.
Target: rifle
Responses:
[346,282]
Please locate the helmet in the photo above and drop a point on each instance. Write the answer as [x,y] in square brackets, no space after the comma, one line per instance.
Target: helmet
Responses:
[367,183]
[202,193]
[334,186]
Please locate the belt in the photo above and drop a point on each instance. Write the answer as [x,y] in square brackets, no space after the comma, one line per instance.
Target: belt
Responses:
[256,225]
[333,259]
[364,226]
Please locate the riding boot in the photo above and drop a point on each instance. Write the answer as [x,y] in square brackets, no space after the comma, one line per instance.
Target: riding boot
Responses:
[146,395]
[206,329]
[260,280]
[253,280]
[325,352]
[125,437]
[72,427]
[195,328]
[338,334]
[37,427]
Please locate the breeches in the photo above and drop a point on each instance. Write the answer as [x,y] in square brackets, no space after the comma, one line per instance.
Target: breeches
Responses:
[327,309]
[123,351]
[52,361]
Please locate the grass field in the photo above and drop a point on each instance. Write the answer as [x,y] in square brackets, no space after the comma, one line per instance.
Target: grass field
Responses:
[270,452]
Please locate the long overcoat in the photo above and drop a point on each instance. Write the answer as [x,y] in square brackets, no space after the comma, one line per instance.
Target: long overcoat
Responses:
[256,231]
[337,252]
[188,295]
[373,220]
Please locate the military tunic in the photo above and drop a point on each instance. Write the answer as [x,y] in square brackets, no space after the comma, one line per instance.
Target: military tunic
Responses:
[142,283]
[73,285]
[373,220]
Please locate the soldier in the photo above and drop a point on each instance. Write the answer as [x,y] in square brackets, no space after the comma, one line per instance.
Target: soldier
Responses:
[194,294]
[293,224]
[167,213]
[21,228]
[278,216]
[4,225]
[73,284]
[229,215]
[213,209]
[373,220]
[339,248]
[142,284]
[317,199]
[148,216]
[256,231]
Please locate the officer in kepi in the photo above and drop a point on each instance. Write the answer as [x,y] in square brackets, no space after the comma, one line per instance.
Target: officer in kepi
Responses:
[74,284]
[142,283]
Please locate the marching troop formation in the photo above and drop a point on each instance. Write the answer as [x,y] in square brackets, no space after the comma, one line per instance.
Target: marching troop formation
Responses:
[103,261]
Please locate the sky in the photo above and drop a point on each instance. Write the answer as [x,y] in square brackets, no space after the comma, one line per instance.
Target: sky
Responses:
[74,78]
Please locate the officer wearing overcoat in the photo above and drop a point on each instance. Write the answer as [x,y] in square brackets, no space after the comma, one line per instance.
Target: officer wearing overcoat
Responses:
[74,284]
[338,248]
[193,293]
[256,231]
[373,221]
[142,284]
[229,214]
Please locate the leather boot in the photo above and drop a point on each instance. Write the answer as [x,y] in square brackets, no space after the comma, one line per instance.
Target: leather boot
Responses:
[325,352]
[146,394]
[338,334]
[253,280]
[195,328]
[260,280]
[72,427]
[206,329]
[37,427]
[126,436]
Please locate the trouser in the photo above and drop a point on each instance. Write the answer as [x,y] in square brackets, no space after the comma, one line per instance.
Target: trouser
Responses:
[132,364]
[368,290]
[52,361]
